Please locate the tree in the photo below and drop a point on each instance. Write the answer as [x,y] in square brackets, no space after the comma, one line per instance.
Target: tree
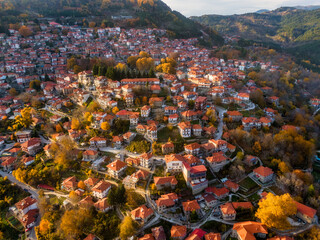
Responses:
[145,64]
[194,216]
[81,185]
[117,196]
[105,126]
[92,24]
[144,100]
[115,110]
[25,31]
[13,92]
[71,62]
[292,147]
[23,121]
[127,228]
[274,210]
[58,128]
[258,98]
[75,222]
[75,124]
[256,148]
[77,69]
[132,61]
[283,167]
[312,234]
[44,226]
[240,155]
[35,84]
[137,102]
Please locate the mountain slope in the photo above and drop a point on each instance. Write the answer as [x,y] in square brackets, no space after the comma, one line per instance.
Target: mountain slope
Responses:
[142,13]
[285,25]
[297,31]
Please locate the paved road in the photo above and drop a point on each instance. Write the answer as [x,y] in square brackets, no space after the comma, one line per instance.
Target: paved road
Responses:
[8,146]
[219,132]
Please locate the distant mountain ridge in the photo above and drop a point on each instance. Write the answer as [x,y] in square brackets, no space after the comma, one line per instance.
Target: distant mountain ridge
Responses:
[282,25]
[127,13]
[292,29]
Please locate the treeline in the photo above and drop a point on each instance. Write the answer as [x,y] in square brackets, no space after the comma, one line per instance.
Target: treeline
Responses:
[115,73]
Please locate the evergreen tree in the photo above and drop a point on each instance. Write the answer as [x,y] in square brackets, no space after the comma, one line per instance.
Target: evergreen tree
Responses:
[95,69]
[46,78]
[110,73]
[151,73]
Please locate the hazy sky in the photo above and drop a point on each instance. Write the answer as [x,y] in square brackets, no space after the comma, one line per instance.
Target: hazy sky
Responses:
[225,7]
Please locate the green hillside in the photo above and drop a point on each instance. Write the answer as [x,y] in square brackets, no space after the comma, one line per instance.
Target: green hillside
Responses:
[142,13]
[284,25]
[296,30]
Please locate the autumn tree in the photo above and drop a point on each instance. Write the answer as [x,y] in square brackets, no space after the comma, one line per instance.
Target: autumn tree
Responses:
[256,148]
[274,210]
[64,155]
[115,110]
[75,222]
[144,100]
[71,62]
[25,31]
[105,126]
[35,84]
[132,60]
[144,54]
[81,185]
[293,148]
[137,102]
[24,120]
[312,234]
[127,228]
[258,98]
[44,226]
[75,124]
[59,128]
[121,67]
[92,24]
[145,64]
[13,92]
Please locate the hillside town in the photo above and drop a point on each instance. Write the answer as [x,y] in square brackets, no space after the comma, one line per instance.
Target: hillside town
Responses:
[155,133]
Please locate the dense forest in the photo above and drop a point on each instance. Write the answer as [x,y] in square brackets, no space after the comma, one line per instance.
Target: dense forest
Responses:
[124,13]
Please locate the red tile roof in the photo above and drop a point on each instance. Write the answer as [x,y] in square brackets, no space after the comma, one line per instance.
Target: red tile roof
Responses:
[189,206]
[263,171]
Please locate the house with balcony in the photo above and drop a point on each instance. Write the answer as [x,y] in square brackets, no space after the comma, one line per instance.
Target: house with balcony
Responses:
[101,189]
[195,177]
[116,169]
[217,161]
[90,155]
[185,129]
[193,148]
[145,111]
[98,142]
[174,163]
[32,146]
[146,160]
[142,214]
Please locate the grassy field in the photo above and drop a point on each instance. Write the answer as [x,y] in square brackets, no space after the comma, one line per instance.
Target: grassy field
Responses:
[248,184]
[165,133]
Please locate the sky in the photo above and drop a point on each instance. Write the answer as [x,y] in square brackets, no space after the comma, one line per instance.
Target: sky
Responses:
[228,7]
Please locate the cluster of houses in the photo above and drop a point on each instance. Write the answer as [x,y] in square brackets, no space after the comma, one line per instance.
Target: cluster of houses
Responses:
[199,80]
[26,211]
[99,191]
